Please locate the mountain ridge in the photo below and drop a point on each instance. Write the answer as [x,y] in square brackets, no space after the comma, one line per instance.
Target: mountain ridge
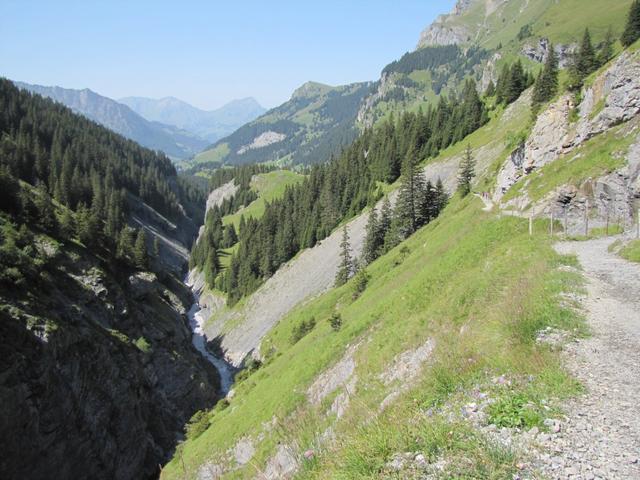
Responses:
[176,143]
[209,124]
[314,123]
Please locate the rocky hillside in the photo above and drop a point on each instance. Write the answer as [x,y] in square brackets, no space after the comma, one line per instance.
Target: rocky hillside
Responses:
[99,374]
[173,141]
[314,123]
[210,125]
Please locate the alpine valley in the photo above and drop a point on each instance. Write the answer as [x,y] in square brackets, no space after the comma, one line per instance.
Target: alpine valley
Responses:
[431,275]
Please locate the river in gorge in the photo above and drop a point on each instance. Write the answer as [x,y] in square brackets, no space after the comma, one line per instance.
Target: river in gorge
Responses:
[199,340]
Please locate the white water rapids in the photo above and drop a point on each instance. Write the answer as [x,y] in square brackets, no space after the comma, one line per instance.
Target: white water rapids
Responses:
[199,340]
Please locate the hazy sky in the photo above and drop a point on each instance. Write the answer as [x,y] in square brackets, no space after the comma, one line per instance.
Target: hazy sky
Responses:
[206,52]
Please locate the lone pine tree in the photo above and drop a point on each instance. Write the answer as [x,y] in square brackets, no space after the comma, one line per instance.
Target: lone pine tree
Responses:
[546,84]
[632,30]
[373,240]
[140,257]
[410,197]
[466,172]
[345,269]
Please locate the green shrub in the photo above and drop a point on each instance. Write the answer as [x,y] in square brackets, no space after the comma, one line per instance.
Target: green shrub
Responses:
[335,321]
[631,251]
[360,283]
[250,366]
[302,329]
[514,411]
[143,345]
[221,405]
[402,255]
[197,425]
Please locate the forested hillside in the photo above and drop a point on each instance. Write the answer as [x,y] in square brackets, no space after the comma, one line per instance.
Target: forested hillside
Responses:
[341,188]
[84,167]
[92,310]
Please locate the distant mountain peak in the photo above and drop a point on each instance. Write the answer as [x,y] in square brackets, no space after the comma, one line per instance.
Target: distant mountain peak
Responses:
[209,124]
[311,89]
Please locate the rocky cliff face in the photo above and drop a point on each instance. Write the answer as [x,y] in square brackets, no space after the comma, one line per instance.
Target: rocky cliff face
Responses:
[538,51]
[444,31]
[98,374]
[612,99]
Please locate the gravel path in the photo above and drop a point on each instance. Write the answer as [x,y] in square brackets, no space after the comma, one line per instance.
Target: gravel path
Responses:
[600,438]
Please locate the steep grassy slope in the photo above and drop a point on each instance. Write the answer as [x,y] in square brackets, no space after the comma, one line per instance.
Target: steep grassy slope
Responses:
[354,380]
[268,186]
[491,24]
[314,123]
[464,282]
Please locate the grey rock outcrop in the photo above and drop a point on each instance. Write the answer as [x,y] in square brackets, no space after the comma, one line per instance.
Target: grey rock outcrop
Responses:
[443,31]
[97,381]
[439,33]
[216,197]
[538,52]
[612,99]
[489,73]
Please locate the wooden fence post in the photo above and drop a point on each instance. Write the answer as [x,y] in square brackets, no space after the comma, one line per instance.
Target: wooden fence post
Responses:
[586,219]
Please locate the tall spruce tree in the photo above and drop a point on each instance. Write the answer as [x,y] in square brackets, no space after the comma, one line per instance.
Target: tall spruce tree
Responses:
[490,91]
[606,49]
[516,84]
[632,29]
[412,188]
[372,241]
[211,267]
[140,256]
[46,211]
[586,61]
[441,196]
[124,248]
[230,237]
[546,84]
[345,269]
[466,172]
[503,82]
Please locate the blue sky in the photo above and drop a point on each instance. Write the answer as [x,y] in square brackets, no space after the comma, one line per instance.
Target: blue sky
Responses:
[206,52]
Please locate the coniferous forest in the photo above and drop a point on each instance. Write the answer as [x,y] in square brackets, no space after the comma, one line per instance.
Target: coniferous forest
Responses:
[340,189]
[86,170]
